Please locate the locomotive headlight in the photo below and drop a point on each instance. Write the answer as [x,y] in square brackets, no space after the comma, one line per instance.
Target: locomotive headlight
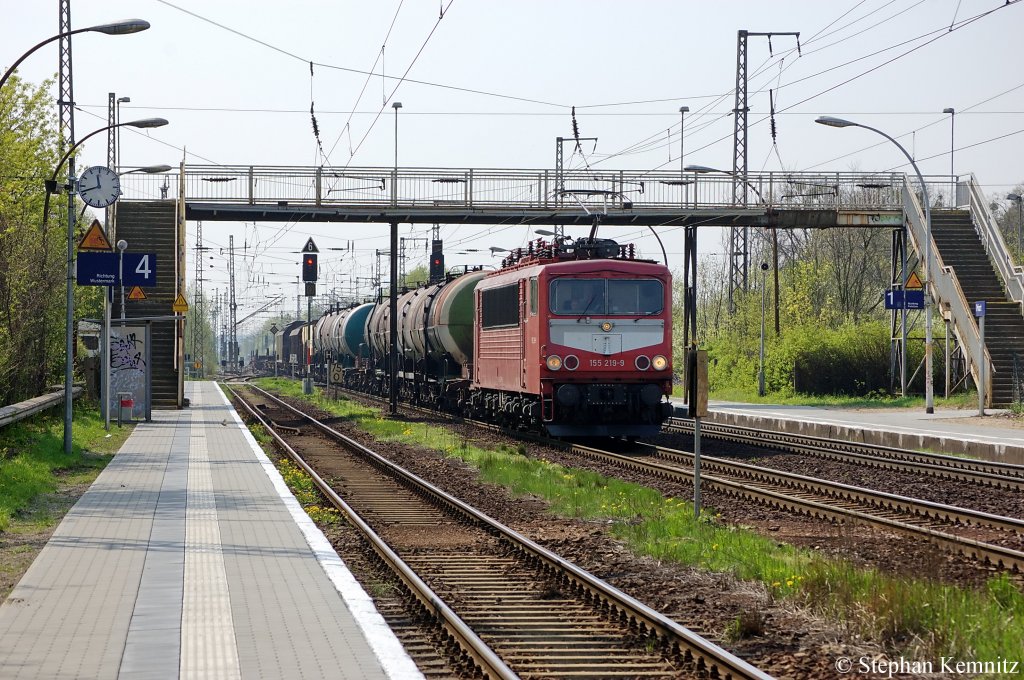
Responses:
[660,363]
[572,362]
[607,326]
[642,363]
[554,362]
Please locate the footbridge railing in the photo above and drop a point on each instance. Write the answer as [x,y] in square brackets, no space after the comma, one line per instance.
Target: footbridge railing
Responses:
[992,239]
[519,189]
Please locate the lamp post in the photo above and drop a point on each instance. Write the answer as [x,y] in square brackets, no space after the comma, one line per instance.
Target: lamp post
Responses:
[117,121]
[393,301]
[682,130]
[760,369]
[1017,198]
[952,177]
[122,246]
[396,106]
[117,28]
[929,388]
[51,186]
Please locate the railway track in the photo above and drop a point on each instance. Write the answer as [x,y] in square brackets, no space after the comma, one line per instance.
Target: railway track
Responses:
[986,473]
[512,608]
[833,501]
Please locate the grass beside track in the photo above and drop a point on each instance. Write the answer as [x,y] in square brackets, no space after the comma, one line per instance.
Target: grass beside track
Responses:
[33,462]
[919,618]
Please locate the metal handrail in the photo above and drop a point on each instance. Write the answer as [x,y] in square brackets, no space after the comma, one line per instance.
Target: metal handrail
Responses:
[995,245]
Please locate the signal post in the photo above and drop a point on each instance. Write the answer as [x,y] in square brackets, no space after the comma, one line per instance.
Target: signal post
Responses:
[309,276]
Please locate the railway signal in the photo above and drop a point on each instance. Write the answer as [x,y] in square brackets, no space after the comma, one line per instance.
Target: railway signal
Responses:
[436,261]
[309,268]
[309,254]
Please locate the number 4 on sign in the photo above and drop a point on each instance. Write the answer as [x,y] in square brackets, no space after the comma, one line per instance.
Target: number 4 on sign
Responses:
[143,267]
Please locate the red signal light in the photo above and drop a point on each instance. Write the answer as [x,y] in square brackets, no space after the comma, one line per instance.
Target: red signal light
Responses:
[309,268]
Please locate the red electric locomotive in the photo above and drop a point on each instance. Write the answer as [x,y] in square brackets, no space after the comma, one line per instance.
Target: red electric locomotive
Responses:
[574,338]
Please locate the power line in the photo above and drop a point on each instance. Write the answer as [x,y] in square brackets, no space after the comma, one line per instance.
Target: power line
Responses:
[359,71]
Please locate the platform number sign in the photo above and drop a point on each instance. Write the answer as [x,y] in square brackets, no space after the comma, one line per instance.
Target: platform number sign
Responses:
[140,269]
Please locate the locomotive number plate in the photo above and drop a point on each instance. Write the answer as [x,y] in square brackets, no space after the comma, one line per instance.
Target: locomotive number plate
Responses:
[607,363]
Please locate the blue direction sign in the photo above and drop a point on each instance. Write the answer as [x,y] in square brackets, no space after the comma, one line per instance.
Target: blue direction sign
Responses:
[140,269]
[96,269]
[904,299]
[101,269]
[979,308]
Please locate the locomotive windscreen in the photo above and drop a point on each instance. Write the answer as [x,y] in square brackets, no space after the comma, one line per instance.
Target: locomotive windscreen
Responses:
[581,297]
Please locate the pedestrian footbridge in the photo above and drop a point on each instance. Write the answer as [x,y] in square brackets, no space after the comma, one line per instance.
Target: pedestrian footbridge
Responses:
[485,196]
[774,200]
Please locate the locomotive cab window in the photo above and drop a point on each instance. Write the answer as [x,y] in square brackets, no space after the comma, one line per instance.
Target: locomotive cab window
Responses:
[577,297]
[638,297]
[500,306]
[589,297]
[533,296]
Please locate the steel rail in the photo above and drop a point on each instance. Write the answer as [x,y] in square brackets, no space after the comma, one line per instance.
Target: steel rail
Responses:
[461,632]
[988,473]
[986,552]
[705,653]
[854,494]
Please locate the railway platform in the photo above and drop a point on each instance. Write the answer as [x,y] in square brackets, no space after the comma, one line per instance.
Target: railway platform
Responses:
[950,431]
[188,557]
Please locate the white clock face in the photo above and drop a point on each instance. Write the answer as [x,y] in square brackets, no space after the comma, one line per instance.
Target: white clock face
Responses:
[99,186]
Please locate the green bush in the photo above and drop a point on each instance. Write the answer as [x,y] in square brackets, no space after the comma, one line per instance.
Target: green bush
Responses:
[851,359]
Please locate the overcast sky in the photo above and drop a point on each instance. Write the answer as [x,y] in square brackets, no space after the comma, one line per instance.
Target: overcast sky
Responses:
[495,83]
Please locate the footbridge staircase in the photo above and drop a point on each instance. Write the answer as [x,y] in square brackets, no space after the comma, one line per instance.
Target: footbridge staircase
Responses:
[971,262]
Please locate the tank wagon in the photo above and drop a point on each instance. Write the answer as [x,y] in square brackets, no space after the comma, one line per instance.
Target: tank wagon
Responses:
[571,338]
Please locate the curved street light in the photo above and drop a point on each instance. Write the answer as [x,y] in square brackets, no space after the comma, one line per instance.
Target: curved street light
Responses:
[157,169]
[117,28]
[929,388]
[51,186]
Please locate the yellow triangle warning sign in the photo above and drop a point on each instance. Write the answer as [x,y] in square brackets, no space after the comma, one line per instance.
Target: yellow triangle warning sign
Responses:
[180,306]
[914,282]
[95,238]
[137,294]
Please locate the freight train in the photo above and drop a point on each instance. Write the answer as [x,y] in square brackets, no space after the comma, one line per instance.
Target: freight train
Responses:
[571,338]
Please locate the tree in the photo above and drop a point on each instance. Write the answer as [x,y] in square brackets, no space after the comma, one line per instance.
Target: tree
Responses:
[415,278]
[32,256]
